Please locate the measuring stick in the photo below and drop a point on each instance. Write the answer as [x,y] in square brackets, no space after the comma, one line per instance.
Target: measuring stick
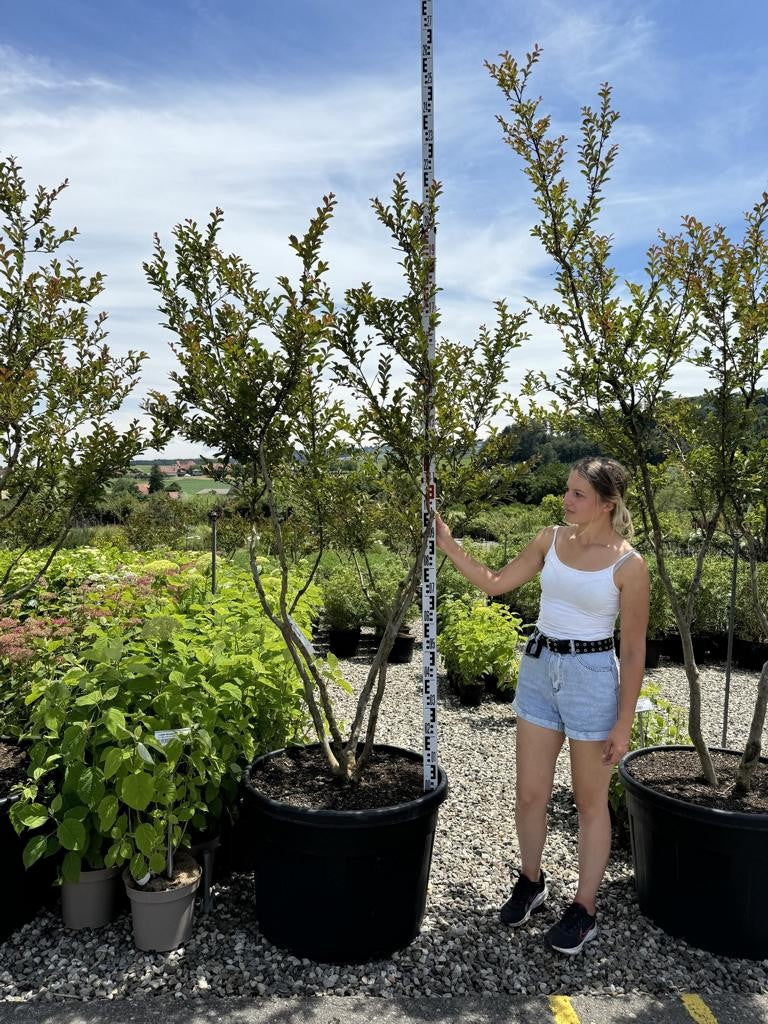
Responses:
[429,569]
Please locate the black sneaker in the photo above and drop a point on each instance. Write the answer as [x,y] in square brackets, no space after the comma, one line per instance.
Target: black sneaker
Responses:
[573,929]
[526,897]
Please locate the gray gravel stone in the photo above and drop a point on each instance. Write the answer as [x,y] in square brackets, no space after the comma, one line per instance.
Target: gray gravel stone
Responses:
[462,949]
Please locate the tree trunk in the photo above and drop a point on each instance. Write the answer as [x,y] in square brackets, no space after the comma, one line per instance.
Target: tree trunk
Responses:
[751,755]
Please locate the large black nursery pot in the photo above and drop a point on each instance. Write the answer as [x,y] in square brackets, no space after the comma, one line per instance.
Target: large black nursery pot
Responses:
[701,873]
[341,886]
[24,892]
[344,642]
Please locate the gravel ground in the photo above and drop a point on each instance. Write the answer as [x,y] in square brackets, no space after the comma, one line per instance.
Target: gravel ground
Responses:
[462,949]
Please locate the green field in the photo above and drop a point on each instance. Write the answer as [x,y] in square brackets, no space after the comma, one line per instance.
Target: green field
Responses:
[195,484]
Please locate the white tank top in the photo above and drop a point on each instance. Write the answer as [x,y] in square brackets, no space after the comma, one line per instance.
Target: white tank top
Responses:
[577,604]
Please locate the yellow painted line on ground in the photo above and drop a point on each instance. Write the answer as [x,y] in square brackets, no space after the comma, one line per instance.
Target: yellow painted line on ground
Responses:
[698,1009]
[563,1011]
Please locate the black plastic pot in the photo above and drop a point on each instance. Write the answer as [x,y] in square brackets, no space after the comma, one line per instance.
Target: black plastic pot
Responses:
[24,892]
[700,873]
[342,886]
[471,694]
[343,642]
[652,653]
[653,648]
[672,647]
[501,694]
[749,654]
[402,649]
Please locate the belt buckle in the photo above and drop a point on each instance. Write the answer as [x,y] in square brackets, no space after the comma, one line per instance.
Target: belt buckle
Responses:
[573,646]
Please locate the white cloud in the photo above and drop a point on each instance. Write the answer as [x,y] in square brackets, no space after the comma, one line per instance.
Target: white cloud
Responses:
[140,160]
[23,73]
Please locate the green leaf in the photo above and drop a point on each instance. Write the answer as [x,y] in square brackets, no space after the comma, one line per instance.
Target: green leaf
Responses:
[145,838]
[71,833]
[71,867]
[30,815]
[114,721]
[112,761]
[73,742]
[88,698]
[107,812]
[78,813]
[138,790]
[139,866]
[157,863]
[90,788]
[34,850]
[233,691]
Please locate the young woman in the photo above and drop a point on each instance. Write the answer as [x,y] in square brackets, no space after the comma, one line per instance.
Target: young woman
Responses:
[570,683]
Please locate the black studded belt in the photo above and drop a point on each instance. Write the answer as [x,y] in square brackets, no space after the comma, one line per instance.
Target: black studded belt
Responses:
[538,640]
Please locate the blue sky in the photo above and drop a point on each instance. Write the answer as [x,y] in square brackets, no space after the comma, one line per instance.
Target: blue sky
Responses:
[161,111]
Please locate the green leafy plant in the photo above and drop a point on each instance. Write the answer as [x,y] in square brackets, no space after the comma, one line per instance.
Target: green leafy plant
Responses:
[344,604]
[104,775]
[480,640]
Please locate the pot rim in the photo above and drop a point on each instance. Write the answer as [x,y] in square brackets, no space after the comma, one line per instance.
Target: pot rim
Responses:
[141,895]
[91,875]
[406,810]
[689,808]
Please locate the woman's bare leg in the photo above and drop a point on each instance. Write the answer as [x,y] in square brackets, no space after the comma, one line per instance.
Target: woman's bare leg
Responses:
[590,778]
[537,751]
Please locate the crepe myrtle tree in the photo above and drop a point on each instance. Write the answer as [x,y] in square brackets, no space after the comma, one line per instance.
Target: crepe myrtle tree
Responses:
[261,380]
[702,302]
[746,518]
[59,384]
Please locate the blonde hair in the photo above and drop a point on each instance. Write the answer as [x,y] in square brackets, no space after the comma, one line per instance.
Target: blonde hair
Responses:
[609,478]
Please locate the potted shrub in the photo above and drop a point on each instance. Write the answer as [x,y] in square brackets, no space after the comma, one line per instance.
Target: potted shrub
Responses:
[480,645]
[290,435]
[751,641]
[343,609]
[381,579]
[108,781]
[702,302]
[26,890]
[660,619]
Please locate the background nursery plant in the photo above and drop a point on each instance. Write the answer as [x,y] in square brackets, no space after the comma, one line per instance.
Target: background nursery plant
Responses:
[255,385]
[142,733]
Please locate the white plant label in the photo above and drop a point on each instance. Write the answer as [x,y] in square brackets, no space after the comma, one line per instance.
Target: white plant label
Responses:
[429,574]
[644,704]
[165,736]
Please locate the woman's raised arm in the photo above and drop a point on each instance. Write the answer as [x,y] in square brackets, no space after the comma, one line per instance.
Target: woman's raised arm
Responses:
[521,569]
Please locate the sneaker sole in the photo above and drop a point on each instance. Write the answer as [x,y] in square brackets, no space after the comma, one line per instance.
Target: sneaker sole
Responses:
[537,902]
[577,949]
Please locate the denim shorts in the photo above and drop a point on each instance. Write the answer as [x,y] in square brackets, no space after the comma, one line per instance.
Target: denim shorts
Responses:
[577,694]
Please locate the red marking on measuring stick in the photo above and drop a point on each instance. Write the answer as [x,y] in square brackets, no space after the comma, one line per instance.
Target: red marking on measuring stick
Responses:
[429,573]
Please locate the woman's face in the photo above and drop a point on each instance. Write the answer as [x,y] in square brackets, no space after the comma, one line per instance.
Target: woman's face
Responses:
[581,502]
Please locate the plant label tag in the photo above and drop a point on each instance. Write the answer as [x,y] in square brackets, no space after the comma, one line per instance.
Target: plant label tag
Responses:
[164,736]
[301,636]
[644,704]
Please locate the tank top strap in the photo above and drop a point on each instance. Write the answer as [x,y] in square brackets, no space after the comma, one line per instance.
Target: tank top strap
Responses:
[624,557]
[552,547]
